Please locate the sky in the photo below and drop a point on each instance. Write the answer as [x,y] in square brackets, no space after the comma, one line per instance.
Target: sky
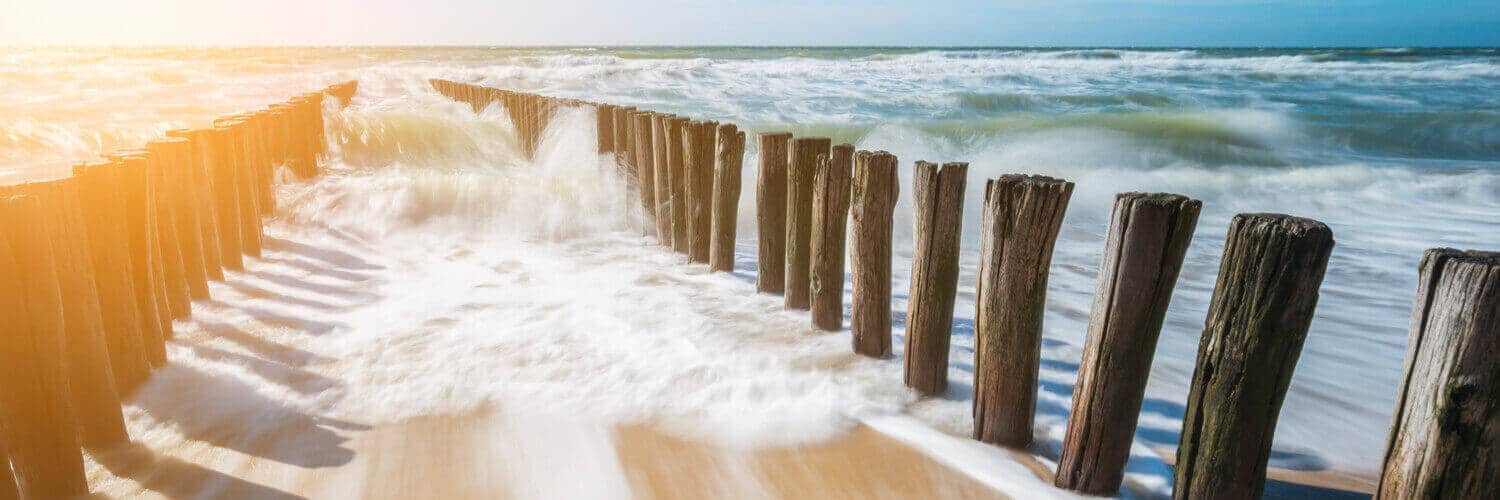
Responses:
[743,22]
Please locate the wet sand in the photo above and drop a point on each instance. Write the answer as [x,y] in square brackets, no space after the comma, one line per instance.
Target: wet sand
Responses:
[490,455]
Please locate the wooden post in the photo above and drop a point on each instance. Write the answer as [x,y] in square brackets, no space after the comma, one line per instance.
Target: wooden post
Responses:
[318,138]
[645,166]
[662,178]
[1148,236]
[622,148]
[802,164]
[225,197]
[200,172]
[528,125]
[831,184]
[237,132]
[1257,319]
[86,355]
[145,259]
[604,121]
[698,161]
[37,423]
[939,212]
[872,206]
[173,158]
[307,132]
[1442,440]
[105,224]
[1021,217]
[164,227]
[260,162]
[770,211]
[676,129]
[728,162]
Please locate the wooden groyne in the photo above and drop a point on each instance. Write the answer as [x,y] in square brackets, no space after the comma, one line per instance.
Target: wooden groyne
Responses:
[95,267]
[1444,435]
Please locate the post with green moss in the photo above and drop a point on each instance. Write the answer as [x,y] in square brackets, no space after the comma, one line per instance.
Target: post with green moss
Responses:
[1442,440]
[1258,317]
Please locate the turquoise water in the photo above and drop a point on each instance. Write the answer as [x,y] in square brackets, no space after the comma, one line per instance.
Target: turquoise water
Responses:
[1398,150]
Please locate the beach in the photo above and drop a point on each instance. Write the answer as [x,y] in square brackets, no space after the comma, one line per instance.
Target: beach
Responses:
[440,315]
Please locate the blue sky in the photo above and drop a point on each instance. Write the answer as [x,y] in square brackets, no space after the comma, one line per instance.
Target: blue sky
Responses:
[766,22]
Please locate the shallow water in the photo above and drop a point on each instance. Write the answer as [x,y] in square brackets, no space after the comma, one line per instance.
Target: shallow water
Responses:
[1397,150]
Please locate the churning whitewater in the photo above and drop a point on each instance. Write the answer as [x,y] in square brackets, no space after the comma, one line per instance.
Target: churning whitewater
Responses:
[435,271]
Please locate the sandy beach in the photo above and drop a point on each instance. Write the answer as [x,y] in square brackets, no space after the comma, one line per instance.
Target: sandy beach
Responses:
[494,456]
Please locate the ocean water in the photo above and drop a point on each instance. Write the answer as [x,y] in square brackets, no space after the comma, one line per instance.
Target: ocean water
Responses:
[436,270]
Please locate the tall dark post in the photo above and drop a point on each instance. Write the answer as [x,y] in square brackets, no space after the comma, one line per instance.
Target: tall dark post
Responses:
[939,213]
[872,208]
[1022,215]
[1257,319]
[770,211]
[1442,440]
[831,186]
[1148,237]
[802,164]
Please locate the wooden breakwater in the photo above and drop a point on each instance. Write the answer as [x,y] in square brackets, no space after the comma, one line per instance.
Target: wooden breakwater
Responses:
[813,198]
[95,267]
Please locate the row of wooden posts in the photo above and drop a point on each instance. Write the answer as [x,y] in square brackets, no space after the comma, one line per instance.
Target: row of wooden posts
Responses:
[95,267]
[811,195]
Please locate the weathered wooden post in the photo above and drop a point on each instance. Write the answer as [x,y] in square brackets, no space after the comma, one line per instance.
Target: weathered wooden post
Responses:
[145,258]
[105,225]
[201,168]
[317,136]
[830,221]
[645,165]
[939,212]
[1148,236]
[309,131]
[872,206]
[622,150]
[662,178]
[164,227]
[37,423]
[1021,218]
[263,174]
[676,129]
[770,211]
[1257,319]
[173,159]
[604,121]
[226,197]
[1442,442]
[728,161]
[802,164]
[85,352]
[698,161]
[246,180]
[532,119]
